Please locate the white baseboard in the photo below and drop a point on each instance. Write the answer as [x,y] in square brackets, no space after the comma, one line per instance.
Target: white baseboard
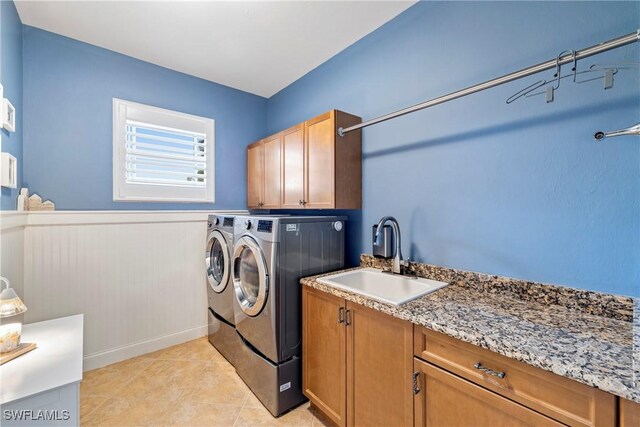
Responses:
[104,358]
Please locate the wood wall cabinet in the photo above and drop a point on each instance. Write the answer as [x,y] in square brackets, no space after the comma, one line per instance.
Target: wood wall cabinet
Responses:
[264,180]
[357,362]
[309,167]
[293,167]
[255,175]
[272,187]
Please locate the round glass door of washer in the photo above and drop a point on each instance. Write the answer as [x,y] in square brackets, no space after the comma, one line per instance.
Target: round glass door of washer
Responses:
[250,278]
[217,261]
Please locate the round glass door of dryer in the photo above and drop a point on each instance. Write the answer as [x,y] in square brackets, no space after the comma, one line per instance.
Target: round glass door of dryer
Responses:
[250,278]
[217,261]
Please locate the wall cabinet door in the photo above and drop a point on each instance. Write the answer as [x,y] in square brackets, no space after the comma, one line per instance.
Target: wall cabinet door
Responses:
[379,368]
[323,353]
[293,168]
[255,171]
[272,182]
[446,400]
[320,161]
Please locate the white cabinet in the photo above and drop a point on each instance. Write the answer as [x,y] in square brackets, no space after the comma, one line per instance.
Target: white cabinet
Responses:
[42,387]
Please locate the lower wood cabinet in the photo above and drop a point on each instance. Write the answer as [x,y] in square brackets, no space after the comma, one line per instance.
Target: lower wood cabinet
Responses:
[379,368]
[445,400]
[364,368]
[629,413]
[562,399]
[324,356]
[357,362]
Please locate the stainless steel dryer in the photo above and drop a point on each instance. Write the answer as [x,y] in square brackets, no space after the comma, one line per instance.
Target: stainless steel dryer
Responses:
[220,293]
[270,256]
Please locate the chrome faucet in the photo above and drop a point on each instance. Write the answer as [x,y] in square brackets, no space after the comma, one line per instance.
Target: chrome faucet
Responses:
[398,262]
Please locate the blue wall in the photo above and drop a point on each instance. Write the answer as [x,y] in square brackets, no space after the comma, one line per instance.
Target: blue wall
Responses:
[520,190]
[11,79]
[68,91]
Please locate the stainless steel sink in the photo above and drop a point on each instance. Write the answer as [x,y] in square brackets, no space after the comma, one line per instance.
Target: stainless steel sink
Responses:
[388,288]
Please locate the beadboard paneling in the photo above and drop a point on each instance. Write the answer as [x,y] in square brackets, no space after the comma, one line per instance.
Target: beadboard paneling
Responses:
[12,229]
[140,285]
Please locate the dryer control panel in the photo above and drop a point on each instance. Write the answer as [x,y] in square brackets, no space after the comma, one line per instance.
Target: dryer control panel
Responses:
[265,226]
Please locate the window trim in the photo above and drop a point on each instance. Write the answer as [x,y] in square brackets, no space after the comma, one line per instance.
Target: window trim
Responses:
[123,192]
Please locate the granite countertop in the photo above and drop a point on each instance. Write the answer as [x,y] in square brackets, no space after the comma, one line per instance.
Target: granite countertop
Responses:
[594,349]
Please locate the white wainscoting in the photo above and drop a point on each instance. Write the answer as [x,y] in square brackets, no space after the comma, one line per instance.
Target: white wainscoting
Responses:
[138,278]
[12,228]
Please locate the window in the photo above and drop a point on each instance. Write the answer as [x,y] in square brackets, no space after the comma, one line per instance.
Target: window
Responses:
[161,155]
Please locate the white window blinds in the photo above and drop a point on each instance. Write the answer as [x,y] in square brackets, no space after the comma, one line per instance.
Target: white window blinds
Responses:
[161,155]
[165,156]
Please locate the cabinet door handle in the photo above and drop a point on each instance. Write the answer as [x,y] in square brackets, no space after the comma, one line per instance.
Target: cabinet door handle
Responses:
[347,317]
[416,387]
[489,371]
[301,202]
[341,315]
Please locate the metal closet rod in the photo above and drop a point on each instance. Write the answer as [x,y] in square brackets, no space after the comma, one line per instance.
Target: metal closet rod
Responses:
[552,63]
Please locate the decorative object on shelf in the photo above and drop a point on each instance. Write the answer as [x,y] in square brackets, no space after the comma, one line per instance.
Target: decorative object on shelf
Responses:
[8,171]
[632,130]
[35,202]
[23,200]
[23,348]
[11,307]
[8,115]
[48,205]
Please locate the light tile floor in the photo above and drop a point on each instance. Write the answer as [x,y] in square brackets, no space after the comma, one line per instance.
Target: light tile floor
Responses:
[190,384]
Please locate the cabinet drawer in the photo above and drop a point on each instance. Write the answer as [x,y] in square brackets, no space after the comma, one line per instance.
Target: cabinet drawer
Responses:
[445,400]
[563,399]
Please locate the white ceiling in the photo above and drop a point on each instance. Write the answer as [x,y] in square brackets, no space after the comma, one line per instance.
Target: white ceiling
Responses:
[259,47]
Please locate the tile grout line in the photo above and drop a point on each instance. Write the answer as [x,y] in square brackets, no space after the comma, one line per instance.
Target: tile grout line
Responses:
[107,398]
[153,360]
